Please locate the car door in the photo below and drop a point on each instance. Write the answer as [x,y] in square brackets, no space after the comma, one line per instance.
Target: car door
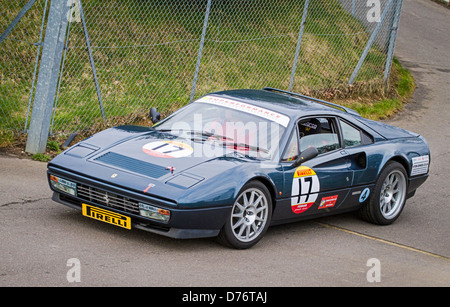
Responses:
[321,184]
[363,160]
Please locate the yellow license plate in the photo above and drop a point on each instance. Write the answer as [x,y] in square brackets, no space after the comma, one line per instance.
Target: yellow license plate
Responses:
[106,216]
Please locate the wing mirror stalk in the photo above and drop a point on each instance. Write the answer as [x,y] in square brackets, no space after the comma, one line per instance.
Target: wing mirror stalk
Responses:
[307,154]
[155,116]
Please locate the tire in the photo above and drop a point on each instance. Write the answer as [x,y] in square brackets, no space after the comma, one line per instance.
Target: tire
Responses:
[249,218]
[388,197]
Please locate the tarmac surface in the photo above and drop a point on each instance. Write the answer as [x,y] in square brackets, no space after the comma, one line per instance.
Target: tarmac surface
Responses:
[39,239]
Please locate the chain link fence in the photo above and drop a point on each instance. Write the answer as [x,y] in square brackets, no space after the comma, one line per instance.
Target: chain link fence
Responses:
[122,57]
[19,54]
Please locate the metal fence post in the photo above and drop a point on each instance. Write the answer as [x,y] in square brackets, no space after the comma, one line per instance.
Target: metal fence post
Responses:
[299,43]
[370,42]
[36,62]
[392,40]
[61,74]
[200,51]
[47,78]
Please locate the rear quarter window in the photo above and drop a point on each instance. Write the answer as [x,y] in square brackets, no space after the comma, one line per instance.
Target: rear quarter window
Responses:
[353,136]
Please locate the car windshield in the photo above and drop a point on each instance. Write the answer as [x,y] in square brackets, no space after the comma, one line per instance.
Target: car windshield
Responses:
[230,125]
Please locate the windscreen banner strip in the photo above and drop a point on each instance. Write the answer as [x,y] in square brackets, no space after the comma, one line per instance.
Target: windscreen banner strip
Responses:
[280,119]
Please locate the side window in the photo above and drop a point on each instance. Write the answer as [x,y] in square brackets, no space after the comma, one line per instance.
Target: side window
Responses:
[291,152]
[353,136]
[319,132]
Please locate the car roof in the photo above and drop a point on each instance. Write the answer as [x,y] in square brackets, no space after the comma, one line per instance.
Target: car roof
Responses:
[284,102]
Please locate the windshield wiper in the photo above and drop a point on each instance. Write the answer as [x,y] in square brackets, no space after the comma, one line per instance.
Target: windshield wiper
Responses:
[246,146]
[205,135]
[163,130]
[210,134]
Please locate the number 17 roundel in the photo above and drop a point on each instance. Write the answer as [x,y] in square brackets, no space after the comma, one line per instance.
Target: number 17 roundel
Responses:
[305,189]
[167,149]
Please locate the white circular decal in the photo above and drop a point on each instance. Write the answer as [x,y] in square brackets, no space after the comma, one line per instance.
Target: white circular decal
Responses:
[167,149]
[305,189]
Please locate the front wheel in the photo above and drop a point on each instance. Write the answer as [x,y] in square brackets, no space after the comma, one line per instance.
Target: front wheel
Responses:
[249,218]
[389,196]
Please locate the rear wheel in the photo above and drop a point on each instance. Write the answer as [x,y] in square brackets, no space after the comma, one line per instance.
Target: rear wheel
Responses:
[389,196]
[249,218]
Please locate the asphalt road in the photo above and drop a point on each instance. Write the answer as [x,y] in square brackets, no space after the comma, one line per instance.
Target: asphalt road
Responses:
[38,237]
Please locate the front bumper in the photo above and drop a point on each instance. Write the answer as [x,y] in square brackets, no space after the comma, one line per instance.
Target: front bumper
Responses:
[184,223]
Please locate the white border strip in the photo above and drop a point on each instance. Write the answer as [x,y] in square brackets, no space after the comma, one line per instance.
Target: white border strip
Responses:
[280,119]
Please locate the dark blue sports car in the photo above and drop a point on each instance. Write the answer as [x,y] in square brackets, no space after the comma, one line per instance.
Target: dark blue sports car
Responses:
[233,163]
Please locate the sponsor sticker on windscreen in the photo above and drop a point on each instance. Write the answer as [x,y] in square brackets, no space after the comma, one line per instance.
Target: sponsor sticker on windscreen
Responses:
[280,119]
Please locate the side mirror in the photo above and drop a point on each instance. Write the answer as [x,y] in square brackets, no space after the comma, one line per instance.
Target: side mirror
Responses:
[155,116]
[307,154]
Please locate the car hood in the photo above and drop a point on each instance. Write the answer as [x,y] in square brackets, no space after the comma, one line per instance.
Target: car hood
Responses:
[148,161]
[152,156]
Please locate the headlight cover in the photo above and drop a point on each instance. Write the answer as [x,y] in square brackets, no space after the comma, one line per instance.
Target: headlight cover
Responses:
[153,212]
[63,185]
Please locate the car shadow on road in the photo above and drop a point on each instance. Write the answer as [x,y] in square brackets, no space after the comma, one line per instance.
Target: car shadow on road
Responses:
[98,230]
[86,229]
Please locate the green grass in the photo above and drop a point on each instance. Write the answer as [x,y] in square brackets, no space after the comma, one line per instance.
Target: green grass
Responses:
[379,109]
[41,157]
[53,146]
[6,138]
[53,149]
[405,85]
[401,90]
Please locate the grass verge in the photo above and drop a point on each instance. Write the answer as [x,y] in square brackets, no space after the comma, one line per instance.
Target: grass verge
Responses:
[399,93]
[372,99]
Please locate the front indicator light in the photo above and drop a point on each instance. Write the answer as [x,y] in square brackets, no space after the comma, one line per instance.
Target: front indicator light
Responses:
[154,212]
[63,185]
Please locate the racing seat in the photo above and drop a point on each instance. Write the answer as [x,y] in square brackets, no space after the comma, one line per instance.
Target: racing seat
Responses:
[310,126]
[309,131]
